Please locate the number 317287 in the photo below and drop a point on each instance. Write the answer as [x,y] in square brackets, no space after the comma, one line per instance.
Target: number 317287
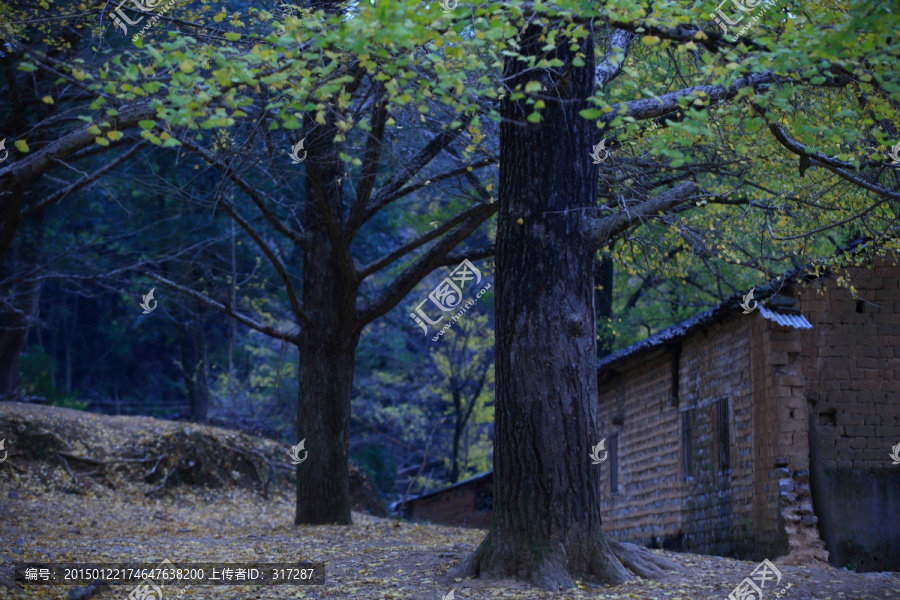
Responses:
[291,574]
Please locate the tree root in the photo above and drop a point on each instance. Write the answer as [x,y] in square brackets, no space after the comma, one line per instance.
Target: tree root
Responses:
[641,561]
[553,573]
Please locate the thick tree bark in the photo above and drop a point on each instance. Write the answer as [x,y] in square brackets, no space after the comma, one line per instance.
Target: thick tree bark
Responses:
[327,345]
[546,522]
[323,420]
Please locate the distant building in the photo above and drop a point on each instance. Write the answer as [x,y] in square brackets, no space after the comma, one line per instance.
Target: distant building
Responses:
[754,435]
[467,503]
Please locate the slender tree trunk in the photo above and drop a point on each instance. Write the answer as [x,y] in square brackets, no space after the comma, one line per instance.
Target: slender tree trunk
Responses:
[14,325]
[604,297]
[546,522]
[458,426]
[195,369]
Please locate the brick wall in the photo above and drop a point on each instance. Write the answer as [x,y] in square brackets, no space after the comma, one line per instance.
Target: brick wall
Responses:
[852,373]
[468,504]
[647,506]
[717,376]
[708,509]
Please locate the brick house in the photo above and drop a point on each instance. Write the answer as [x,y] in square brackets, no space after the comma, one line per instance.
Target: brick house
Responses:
[765,434]
[467,503]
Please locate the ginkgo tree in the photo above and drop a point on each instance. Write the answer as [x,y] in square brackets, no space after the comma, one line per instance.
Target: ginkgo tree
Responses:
[670,83]
[685,111]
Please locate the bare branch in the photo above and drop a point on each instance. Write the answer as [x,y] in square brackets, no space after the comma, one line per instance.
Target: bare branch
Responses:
[425,264]
[252,191]
[273,258]
[838,167]
[600,230]
[370,162]
[80,184]
[33,164]
[402,251]
[228,310]
[613,61]
[386,194]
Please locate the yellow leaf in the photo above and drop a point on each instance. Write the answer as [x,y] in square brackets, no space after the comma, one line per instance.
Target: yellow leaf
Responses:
[520,222]
[114,135]
[650,40]
[186,66]
[47,100]
[22,146]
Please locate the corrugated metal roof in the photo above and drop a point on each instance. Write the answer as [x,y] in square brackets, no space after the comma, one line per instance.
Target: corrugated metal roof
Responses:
[794,321]
[681,330]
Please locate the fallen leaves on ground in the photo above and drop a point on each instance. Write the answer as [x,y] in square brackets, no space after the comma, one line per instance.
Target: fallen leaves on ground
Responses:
[44,517]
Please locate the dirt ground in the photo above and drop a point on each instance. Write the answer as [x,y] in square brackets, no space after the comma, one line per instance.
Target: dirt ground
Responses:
[49,514]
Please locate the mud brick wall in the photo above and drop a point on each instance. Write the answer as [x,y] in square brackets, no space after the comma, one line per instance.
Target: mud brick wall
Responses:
[467,505]
[647,507]
[852,369]
[706,510]
[716,373]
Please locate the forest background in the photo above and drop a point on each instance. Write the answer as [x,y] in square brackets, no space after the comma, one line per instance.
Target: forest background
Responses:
[164,162]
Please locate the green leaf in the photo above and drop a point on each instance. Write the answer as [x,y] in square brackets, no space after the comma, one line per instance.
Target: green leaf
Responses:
[145,124]
[22,146]
[232,37]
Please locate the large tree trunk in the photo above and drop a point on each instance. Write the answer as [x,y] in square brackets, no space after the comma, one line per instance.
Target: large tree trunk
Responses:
[328,343]
[323,420]
[546,522]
